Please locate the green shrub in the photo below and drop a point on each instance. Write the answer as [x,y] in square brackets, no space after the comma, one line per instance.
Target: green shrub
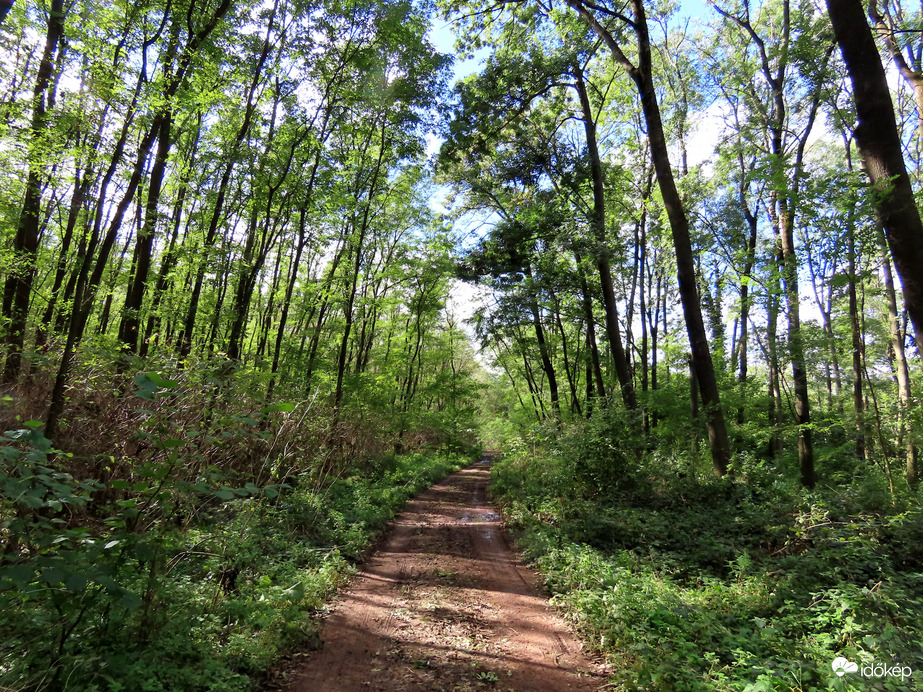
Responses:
[696,583]
[173,575]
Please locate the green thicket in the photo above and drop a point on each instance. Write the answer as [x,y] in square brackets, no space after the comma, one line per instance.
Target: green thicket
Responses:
[689,582]
[198,554]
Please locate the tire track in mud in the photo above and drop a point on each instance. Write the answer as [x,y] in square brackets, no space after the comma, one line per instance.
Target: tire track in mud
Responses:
[446,604]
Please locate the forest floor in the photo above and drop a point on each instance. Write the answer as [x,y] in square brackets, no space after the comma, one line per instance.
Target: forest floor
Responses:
[445,603]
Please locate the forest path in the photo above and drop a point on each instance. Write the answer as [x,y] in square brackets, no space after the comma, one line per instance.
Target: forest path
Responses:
[446,604]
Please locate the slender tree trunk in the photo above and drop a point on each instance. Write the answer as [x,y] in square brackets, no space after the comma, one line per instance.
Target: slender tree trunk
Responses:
[144,245]
[17,290]
[249,268]
[679,224]
[643,309]
[170,255]
[902,372]
[571,376]
[659,302]
[796,346]
[775,388]
[694,410]
[592,347]
[857,348]
[184,339]
[745,299]
[287,300]
[270,305]
[544,354]
[538,403]
[642,75]
[324,300]
[622,369]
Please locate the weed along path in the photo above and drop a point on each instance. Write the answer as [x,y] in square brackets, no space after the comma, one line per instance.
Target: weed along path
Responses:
[446,604]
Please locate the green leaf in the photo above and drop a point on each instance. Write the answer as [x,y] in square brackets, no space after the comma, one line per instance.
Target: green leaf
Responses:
[75,582]
[295,591]
[145,383]
[20,575]
[225,494]
[107,582]
[161,381]
[119,484]
[131,601]
[31,500]
[52,575]
[286,408]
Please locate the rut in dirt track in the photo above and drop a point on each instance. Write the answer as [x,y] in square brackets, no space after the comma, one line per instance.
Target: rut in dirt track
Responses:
[446,604]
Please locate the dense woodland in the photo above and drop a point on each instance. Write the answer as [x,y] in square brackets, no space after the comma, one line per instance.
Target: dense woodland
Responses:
[230,349]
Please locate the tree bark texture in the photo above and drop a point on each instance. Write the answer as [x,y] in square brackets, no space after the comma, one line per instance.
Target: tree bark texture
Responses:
[880,146]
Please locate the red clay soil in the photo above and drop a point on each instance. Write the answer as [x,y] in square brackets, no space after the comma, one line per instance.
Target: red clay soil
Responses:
[446,604]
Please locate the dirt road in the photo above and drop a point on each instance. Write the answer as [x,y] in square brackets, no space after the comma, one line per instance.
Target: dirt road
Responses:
[446,604]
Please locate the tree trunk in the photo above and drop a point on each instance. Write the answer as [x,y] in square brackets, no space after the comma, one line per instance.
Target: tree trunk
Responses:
[857,348]
[598,222]
[17,290]
[170,255]
[902,372]
[592,347]
[789,271]
[743,341]
[775,388]
[880,146]
[679,224]
[144,245]
[642,75]
[571,376]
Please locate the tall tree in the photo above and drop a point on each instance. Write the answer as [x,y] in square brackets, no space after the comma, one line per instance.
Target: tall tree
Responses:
[17,290]
[880,146]
[643,77]
[787,106]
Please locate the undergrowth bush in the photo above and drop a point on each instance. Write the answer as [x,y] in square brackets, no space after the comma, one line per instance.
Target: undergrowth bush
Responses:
[688,582]
[194,556]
